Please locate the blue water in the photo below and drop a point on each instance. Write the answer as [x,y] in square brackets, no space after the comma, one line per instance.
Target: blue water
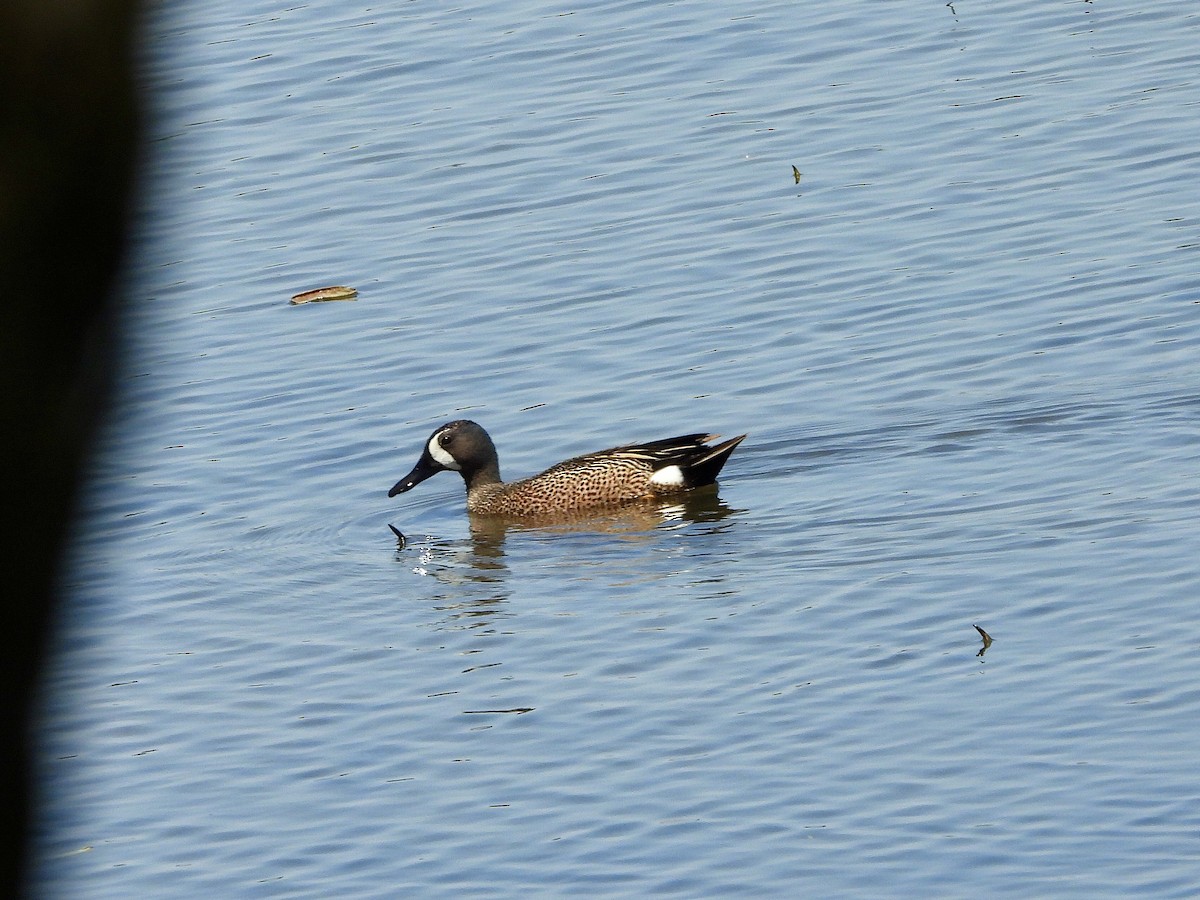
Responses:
[965,346]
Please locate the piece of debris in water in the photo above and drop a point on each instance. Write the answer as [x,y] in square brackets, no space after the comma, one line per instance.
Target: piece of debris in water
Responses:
[401,540]
[328,293]
[987,640]
[796,174]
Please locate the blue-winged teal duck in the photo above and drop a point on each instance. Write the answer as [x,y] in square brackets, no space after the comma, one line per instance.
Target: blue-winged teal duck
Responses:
[607,478]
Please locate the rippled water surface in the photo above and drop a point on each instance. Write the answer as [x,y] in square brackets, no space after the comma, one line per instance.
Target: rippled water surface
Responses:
[964,344]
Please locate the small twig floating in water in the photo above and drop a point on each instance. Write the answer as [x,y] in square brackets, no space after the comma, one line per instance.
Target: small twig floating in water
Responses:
[519,710]
[338,292]
[987,640]
[401,540]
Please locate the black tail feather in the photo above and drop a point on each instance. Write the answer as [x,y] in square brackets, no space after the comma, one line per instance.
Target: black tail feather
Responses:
[705,468]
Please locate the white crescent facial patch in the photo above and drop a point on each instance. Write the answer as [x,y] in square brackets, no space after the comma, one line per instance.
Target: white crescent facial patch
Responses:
[439,453]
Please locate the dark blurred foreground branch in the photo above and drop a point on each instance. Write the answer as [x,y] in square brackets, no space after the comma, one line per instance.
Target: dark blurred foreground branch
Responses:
[69,118]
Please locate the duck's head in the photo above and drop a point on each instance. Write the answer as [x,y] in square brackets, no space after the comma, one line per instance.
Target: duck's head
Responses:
[459,446]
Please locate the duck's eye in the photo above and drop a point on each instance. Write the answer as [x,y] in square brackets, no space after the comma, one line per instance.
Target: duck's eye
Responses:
[445,438]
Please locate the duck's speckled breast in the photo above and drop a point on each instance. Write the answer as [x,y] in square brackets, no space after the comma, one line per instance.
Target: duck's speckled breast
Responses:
[575,484]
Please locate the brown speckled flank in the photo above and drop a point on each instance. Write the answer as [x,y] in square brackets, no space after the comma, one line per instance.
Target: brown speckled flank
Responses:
[604,479]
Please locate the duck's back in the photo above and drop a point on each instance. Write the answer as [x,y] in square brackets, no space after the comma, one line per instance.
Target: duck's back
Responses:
[606,478]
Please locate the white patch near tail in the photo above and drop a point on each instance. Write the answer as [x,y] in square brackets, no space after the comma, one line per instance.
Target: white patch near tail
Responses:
[668,476]
[437,452]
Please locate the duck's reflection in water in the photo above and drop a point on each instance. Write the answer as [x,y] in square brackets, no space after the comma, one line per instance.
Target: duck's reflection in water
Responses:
[483,557]
[475,572]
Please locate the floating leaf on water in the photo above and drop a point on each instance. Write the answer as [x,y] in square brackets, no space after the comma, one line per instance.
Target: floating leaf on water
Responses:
[796,174]
[337,292]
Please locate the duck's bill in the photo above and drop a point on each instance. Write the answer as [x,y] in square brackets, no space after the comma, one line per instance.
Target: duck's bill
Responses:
[426,467]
